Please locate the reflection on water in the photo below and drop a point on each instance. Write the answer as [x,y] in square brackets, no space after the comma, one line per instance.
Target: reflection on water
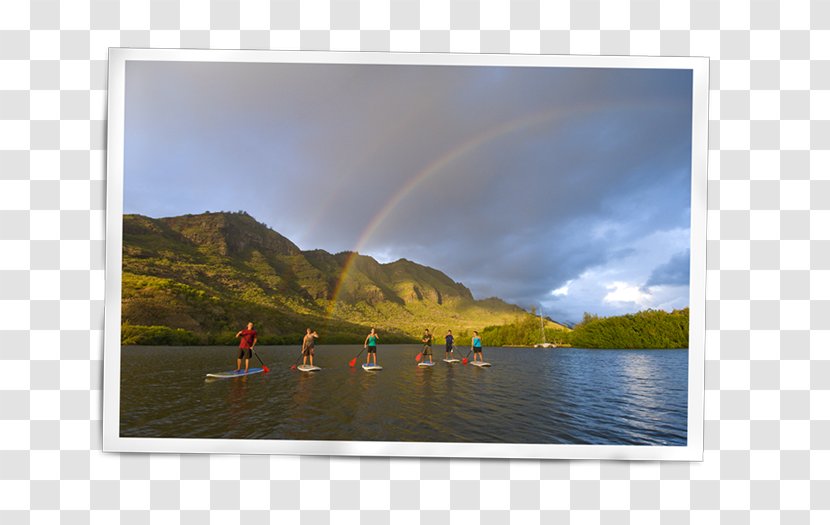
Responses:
[565,395]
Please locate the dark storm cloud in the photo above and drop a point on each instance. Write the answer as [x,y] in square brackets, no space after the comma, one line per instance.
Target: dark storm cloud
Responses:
[673,272]
[528,177]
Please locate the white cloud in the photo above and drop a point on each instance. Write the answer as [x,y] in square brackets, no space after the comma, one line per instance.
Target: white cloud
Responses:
[622,292]
[562,290]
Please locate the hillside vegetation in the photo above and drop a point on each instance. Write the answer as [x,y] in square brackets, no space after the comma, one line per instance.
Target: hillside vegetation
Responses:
[524,331]
[197,279]
[648,329]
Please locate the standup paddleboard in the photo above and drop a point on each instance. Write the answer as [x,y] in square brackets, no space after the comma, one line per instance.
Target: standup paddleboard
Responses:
[424,363]
[234,373]
[308,368]
[452,361]
[371,368]
[480,364]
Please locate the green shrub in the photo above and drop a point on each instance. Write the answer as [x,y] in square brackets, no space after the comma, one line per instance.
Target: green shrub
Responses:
[157,335]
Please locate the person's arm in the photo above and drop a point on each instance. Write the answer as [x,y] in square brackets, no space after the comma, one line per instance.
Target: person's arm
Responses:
[238,333]
[366,342]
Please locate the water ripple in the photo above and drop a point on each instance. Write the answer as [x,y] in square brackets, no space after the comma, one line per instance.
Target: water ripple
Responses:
[566,396]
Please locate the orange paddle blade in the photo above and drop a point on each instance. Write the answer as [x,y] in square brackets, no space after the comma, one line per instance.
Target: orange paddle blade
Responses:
[265,369]
[464,361]
[352,362]
[419,357]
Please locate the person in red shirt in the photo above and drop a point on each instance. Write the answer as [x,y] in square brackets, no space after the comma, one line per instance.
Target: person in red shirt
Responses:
[247,342]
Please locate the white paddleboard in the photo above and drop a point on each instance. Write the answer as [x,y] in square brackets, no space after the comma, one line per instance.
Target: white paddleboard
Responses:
[424,363]
[308,368]
[234,373]
[452,360]
[371,368]
[479,363]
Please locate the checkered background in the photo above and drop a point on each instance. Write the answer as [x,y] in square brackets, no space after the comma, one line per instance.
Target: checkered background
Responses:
[767,410]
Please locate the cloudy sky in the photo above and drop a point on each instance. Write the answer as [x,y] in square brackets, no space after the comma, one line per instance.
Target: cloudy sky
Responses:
[565,188]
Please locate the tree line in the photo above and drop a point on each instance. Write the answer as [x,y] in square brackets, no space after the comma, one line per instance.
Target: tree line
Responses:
[646,329]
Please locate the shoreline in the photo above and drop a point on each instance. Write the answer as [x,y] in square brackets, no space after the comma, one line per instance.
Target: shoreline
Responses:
[435,348]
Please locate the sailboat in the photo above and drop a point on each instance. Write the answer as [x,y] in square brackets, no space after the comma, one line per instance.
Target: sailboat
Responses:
[544,343]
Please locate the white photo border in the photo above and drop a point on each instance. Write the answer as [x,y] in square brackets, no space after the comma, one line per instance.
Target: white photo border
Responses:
[113,442]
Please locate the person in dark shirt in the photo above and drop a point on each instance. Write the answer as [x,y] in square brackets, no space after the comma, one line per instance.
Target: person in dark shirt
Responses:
[247,342]
[450,344]
[427,340]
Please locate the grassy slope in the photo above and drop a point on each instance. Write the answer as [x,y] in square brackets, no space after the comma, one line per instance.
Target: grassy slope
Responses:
[209,274]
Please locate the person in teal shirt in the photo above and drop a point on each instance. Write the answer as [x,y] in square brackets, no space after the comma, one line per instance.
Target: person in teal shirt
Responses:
[371,346]
[476,348]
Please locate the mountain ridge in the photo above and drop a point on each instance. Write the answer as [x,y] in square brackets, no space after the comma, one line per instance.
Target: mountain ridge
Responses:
[208,274]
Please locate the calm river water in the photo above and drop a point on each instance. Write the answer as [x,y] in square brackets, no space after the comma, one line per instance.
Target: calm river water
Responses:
[559,396]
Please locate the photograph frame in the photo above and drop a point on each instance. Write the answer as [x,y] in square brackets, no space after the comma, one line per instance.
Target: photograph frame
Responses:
[113,442]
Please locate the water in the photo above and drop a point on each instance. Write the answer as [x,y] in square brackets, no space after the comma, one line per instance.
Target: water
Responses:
[558,396]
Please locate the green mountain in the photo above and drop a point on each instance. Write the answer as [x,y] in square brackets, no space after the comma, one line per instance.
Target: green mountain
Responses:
[200,278]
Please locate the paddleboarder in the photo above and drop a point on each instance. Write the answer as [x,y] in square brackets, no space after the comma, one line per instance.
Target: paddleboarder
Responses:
[247,342]
[427,340]
[449,344]
[476,347]
[371,346]
[308,346]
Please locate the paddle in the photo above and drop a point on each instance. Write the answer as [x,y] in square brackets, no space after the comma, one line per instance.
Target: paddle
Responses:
[465,360]
[354,359]
[294,366]
[264,368]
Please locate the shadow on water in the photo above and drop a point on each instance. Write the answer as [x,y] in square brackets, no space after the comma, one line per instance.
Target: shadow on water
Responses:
[528,396]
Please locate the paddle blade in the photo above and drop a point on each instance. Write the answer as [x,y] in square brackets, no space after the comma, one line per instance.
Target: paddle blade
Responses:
[418,358]
[464,361]
[352,362]
[265,369]
[294,366]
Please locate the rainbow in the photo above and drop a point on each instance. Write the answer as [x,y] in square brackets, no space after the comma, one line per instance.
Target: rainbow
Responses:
[435,167]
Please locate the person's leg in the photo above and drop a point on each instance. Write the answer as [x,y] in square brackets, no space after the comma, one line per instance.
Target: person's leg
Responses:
[238,363]
[311,358]
[247,361]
